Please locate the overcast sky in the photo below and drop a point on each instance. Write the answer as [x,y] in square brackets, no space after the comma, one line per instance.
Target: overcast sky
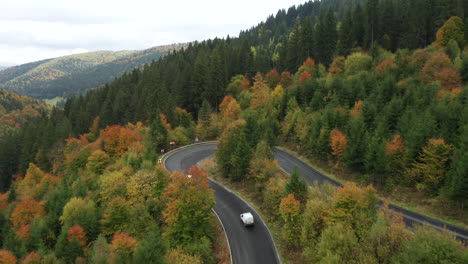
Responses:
[32,30]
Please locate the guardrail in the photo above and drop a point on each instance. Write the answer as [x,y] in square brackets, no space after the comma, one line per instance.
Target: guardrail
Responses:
[409,216]
[166,155]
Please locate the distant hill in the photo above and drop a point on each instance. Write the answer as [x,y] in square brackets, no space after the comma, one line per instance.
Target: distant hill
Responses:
[16,110]
[3,67]
[74,74]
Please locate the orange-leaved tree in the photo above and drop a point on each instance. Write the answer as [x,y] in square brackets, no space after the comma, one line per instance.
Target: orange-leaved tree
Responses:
[449,78]
[6,257]
[355,206]
[395,151]
[440,68]
[290,210]
[123,246]
[304,77]
[24,214]
[357,108]
[308,66]
[272,78]
[386,65]
[229,108]
[337,65]
[261,93]
[78,233]
[4,200]
[286,79]
[118,139]
[32,258]
[338,145]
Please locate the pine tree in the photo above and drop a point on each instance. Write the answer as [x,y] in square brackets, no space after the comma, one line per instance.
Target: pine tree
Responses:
[464,69]
[100,251]
[158,135]
[429,170]
[294,48]
[375,160]
[297,186]
[307,39]
[457,182]
[358,26]
[241,158]
[152,248]
[347,38]
[356,147]
[327,37]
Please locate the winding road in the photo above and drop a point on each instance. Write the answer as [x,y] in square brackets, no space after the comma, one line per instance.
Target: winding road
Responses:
[256,245]
[248,245]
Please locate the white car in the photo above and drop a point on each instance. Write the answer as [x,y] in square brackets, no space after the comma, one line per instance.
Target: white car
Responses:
[247,218]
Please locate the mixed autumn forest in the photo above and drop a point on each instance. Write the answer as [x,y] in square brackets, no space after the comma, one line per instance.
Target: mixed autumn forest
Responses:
[373,91]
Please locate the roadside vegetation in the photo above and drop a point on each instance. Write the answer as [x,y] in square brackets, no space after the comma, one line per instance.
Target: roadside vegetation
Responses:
[323,224]
[105,201]
[374,92]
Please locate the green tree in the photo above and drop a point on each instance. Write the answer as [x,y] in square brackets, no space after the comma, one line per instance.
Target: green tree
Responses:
[453,28]
[152,249]
[452,49]
[464,69]
[355,207]
[159,135]
[372,15]
[314,218]
[431,247]
[357,62]
[339,244]
[100,251]
[347,37]
[429,171]
[355,150]
[241,159]
[81,212]
[68,250]
[297,186]
[376,161]
[188,211]
[327,37]
[98,161]
[117,216]
[457,182]
[233,153]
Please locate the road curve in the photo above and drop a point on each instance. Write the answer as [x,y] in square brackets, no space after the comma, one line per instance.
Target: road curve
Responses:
[288,161]
[252,245]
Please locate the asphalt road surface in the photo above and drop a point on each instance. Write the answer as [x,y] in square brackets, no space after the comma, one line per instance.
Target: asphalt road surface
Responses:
[248,245]
[288,162]
[255,245]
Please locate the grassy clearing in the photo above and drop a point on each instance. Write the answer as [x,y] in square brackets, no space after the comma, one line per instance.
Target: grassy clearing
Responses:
[54,101]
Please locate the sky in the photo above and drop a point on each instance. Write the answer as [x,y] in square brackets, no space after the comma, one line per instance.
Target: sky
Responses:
[32,30]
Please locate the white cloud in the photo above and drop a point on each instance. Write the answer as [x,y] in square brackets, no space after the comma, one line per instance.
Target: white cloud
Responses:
[38,29]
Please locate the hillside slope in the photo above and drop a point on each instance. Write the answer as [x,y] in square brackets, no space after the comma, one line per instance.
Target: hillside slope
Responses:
[16,110]
[70,75]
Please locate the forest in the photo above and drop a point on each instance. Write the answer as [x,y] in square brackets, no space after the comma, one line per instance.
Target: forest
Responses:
[373,89]
[70,75]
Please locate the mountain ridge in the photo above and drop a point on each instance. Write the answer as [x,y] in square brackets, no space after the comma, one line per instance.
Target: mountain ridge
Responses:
[73,74]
